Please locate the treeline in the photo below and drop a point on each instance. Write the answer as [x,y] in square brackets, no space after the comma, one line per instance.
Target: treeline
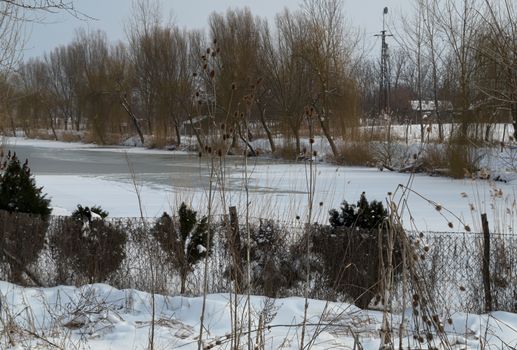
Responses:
[306,65]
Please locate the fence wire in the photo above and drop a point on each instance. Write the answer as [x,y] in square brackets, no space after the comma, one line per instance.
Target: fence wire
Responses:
[449,265]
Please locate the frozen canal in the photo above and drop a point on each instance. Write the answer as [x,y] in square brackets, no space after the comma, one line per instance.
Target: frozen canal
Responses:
[74,174]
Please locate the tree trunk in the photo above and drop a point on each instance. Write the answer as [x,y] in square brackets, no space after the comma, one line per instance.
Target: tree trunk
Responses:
[296,133]
[514,120]
[196,132]
[266,129]
[51,121]
[183,277]
[248,145]
[326,132]
[178,132]
[127,108]
[13,125]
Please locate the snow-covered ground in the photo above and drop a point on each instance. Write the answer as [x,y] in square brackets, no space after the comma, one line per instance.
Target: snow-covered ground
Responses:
[277,189]
[101,317]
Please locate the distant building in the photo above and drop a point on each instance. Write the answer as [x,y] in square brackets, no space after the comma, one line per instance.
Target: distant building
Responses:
[428,106]
[200,122]
[445,109]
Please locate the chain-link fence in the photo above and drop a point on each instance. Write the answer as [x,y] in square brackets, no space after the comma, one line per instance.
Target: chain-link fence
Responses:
[451,268]
[127,254]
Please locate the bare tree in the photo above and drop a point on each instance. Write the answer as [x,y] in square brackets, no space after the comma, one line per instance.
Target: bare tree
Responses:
[412,42]
[496,52]
[329,46]
[458,22]
[14,14]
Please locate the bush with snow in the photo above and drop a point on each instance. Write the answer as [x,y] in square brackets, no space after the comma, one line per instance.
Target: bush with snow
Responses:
[88,245]
[349,252]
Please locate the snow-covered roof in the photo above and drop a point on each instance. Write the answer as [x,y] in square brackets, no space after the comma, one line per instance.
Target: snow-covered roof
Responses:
[429,105]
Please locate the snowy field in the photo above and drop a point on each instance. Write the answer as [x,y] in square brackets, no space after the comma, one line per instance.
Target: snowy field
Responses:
[277,189]
[101,317]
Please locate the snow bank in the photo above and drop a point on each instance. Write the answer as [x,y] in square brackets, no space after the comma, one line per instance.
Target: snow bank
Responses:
[101,317]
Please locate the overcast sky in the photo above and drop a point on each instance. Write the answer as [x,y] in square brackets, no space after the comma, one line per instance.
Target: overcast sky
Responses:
[111,16]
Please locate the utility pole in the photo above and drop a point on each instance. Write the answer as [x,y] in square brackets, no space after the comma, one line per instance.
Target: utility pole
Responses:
[384,82]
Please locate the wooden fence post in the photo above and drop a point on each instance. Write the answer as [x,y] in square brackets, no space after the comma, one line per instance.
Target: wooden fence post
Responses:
[486,263]
[235,247]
